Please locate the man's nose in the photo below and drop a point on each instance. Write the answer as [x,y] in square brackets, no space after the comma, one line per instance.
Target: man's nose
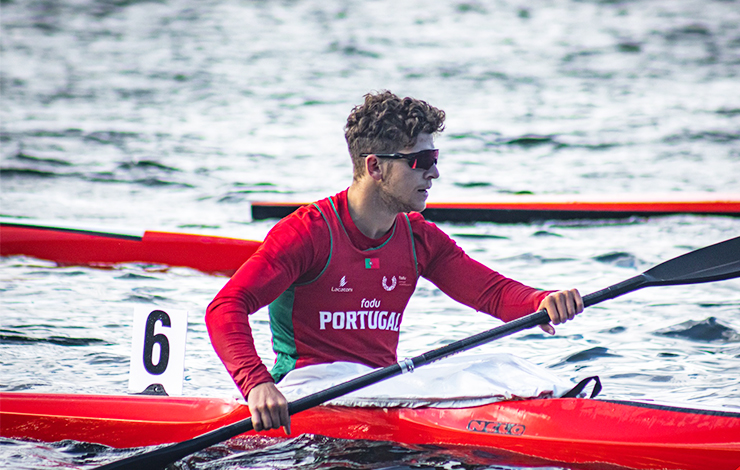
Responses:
[432,173]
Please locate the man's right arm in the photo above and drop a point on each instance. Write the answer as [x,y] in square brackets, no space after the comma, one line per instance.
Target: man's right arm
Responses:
[231,337]
[287,253]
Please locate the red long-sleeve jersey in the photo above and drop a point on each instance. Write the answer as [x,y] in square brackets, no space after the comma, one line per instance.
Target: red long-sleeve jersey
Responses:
[297,249]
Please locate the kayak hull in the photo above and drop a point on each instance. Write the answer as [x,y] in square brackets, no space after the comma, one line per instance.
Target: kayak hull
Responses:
[570,430]
[75,246]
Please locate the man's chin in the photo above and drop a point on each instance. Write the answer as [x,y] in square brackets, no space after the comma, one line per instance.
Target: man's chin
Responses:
[417,204]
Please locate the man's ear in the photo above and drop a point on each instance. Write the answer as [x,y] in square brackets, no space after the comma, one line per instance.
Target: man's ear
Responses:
[373,167]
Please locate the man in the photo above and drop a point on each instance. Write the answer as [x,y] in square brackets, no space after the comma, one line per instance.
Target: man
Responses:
[338,273]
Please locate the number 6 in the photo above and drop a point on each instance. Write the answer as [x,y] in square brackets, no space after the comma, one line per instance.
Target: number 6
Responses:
[150,339]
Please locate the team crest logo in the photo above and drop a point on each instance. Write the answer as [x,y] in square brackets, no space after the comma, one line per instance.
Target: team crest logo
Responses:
[393,283]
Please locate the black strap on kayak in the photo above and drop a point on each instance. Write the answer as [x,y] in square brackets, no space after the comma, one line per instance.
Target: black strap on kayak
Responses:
[154,389]
[575,391]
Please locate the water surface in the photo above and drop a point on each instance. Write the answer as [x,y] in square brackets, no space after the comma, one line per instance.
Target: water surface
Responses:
[174,115]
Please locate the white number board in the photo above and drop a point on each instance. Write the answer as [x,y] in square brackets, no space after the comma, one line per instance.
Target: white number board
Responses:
[158,349]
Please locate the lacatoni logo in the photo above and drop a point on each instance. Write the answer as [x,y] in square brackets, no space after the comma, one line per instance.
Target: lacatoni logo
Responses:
[342,286]
[360,320]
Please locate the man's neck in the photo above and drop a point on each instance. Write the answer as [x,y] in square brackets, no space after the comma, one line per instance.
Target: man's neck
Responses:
[367,210]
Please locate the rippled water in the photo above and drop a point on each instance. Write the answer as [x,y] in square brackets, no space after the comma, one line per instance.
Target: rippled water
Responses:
[173,115]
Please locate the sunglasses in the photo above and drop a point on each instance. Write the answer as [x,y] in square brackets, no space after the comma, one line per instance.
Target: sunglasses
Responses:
[418,160]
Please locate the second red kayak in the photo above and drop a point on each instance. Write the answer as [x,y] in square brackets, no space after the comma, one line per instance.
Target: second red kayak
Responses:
[79,245]
[530,208]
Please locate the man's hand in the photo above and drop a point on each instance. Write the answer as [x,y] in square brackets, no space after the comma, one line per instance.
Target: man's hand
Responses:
[269,408]
[561,306]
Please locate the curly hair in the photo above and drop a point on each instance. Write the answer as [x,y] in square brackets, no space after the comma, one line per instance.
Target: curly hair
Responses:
[385,123]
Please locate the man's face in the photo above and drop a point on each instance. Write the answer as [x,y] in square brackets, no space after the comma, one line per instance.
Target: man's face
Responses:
[404,189]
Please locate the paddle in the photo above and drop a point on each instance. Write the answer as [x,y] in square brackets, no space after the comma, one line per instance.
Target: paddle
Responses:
[712,263]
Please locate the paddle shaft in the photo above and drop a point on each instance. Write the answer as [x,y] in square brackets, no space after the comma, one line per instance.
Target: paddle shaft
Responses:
[690,268]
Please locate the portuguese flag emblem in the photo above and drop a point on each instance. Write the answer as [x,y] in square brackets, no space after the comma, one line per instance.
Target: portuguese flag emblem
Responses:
[372,263]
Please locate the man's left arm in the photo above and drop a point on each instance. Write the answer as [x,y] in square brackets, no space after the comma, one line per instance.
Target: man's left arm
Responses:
[444,263]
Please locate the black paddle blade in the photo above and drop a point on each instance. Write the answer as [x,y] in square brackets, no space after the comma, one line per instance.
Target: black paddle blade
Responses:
[712,263]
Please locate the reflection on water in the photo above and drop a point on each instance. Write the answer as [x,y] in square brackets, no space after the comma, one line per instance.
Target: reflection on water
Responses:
[175,115]
[305,452]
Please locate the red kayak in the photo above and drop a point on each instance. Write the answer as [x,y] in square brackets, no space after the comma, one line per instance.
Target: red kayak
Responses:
[528,208]
[70,245]
[573,430]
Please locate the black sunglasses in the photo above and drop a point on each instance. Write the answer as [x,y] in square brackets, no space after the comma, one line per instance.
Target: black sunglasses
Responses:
[418,160]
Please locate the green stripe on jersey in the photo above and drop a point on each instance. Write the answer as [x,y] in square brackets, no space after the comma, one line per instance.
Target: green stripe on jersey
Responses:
[283,336]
